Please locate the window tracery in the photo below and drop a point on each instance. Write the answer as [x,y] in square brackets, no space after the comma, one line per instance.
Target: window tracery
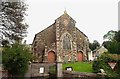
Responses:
[66,42]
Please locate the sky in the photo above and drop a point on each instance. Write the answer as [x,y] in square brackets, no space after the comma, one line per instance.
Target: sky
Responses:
[93,17]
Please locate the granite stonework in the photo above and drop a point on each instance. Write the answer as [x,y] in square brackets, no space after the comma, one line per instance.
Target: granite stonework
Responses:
[63,39]
[34,70]
[83,75]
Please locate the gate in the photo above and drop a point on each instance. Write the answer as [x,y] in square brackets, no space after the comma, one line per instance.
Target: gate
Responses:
[52,70]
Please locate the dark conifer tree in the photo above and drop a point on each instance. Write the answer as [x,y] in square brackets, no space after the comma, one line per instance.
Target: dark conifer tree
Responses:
[12,20]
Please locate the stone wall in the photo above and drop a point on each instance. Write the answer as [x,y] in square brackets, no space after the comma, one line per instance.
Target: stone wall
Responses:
[34,69]
[3,73]
[85,75]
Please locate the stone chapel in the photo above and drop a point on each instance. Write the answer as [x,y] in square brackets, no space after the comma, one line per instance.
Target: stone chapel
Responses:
[61,42]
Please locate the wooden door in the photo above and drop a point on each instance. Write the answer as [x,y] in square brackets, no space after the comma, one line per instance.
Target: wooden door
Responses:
[51,57]
[80,56]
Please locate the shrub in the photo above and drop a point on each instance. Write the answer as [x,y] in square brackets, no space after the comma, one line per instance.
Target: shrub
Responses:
[102,63]
[16,58]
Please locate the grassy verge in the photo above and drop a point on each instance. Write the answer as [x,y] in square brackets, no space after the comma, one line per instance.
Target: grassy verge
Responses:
[79,66]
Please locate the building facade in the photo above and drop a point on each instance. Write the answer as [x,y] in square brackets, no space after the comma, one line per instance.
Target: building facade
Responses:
[98,52]
[61,42]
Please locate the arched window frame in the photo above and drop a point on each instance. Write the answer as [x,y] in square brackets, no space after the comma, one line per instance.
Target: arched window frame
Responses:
[65,38]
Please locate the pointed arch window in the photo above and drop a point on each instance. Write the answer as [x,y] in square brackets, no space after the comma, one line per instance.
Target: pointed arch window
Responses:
[66,42]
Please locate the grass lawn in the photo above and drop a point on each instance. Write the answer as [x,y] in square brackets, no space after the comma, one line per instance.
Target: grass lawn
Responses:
[79,66]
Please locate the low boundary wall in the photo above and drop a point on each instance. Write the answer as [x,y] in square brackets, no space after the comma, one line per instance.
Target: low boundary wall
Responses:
[72,74]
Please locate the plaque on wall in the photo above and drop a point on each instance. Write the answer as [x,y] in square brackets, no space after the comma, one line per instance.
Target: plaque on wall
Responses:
[41,70]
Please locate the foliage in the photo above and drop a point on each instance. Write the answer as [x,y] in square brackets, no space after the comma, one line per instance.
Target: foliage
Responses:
[12,23]
[52,69]
[110,35]
[117,36]
[102,63]
[113,45]
[118,68]
[0,57]
[106,44]
[94,45]
[79,66]
[5,43]
[15,59]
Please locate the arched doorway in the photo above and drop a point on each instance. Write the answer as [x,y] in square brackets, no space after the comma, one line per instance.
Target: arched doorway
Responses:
[51,57]
[80,56]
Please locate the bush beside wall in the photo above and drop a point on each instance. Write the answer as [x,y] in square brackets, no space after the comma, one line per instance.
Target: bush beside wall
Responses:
[102,63]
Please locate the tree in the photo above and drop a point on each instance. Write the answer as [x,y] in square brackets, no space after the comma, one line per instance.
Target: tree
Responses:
[113,44]
[5,43]
[106,44]
[117,36]
[12,24]
[94,45]
[110,35]
[114,47]
[16,58]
